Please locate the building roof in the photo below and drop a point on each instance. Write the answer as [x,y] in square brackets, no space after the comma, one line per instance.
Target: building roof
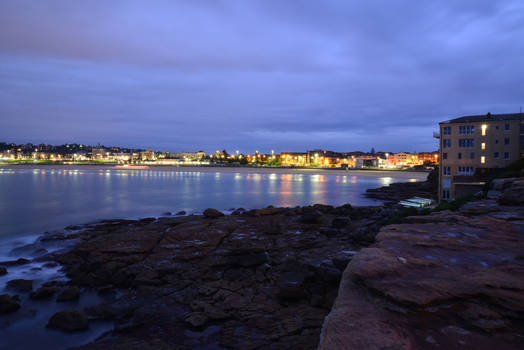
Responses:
[485,117]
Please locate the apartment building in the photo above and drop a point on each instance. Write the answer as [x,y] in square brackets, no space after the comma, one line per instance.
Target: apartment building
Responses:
[472,145]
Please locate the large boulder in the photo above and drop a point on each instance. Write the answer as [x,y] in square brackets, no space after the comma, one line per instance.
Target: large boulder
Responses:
[20,285]
[45,292]
[69,321]
[8,304]
[514,194]
[212,213]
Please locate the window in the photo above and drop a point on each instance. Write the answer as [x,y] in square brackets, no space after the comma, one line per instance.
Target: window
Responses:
[483,159]
[446,170]
[497,142]
[472,155]
[444,156]
[506,127]
[446,143]
[466,170]
[483,146]
[466,143]
[466,129]
[446,183]
[497,127]
[484,127]
[446,130]
[459,155]
[445,194]
[506,140]
[506,155]
[496,155]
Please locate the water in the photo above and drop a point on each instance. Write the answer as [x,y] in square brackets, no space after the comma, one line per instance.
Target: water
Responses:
[48,198]
[34,200]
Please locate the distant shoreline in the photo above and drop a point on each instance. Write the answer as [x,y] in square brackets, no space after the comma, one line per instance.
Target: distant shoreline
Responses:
[223,169]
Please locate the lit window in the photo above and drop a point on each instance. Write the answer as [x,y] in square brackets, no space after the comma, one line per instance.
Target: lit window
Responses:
[483,159]
[484,127]
[483,146]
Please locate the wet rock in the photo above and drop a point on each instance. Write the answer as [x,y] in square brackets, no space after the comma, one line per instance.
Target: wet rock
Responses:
[20,285]
[69,294]
[8,304]
[212,213]
[17,262]
[340,222]
[50,264]
[69,321]
[43,293]
[3,271]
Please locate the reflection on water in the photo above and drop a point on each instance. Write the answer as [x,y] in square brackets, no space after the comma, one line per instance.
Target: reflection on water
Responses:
[36,200]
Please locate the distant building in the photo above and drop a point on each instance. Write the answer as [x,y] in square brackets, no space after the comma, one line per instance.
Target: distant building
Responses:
[147,155]
[470,146]
[294,159]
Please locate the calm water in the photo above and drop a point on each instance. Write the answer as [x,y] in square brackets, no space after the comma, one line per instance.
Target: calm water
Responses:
[34,200]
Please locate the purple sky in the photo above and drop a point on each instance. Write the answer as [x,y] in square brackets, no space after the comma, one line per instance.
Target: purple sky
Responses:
[246,75]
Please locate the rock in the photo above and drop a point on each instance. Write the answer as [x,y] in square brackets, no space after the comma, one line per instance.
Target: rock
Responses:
[239,211]
[69,321]
[166,213]
[312,218]
[197,319]
[3,271]
[20,261]
[340,222]
[181,212]
[493,194]
[50,264]
[20,285]
[291,286]
[514,194]
[69,294]
[462,276]
[8,304]
[212,213]
[43,293]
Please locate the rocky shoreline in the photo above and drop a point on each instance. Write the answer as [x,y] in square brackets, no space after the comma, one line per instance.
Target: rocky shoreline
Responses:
[278,278]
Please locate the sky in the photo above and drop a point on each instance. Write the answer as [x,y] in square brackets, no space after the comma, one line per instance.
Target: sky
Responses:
[255,75]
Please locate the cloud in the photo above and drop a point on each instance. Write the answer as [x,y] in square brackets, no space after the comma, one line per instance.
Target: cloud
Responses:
[254,75]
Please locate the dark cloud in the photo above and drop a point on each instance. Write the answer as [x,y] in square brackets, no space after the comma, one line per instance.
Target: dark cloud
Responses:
[254,75]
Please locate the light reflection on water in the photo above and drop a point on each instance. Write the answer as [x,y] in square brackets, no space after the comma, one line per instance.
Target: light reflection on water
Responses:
[36,200]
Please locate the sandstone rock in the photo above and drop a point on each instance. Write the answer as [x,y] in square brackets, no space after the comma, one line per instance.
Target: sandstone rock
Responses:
[43,293]
[3,271]
[514,195]
[20,285]
[212,213]
[291,286]
[69,321]
[69,294]
[8,304]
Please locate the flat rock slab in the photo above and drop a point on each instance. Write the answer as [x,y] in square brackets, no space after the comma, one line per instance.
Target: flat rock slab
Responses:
[257,279]
[449,282]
